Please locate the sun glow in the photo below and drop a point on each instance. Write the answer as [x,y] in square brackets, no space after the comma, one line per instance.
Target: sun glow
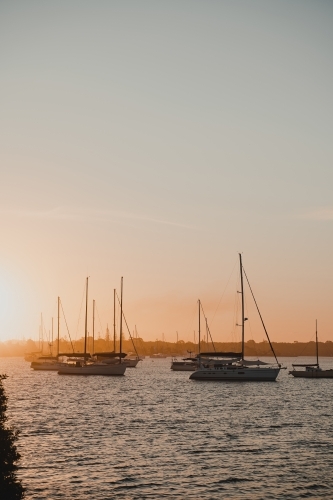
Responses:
[12,305]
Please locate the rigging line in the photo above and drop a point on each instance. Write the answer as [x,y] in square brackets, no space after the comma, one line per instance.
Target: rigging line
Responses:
[194,312]
[304,348]
[63,312]
[99,319]
[141,342]
[250,327]
[233,335]
[203,312]
[128,329]
[262,321]
[78,322]
[218,305]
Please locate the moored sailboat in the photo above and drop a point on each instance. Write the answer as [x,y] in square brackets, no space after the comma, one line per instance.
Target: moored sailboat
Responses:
[185,365]
[231,366]
[312,370]
[49,363]
[88,367]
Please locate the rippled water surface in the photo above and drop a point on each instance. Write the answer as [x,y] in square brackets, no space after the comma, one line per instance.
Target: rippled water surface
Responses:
[156,434]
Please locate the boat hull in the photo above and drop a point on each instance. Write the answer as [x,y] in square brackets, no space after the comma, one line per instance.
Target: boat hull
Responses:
[237,375]
[107,370]
[46,366]
[182,367]
[312,373]
[131,363]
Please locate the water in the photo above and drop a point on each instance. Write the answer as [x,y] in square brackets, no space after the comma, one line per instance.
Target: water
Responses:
[156,434]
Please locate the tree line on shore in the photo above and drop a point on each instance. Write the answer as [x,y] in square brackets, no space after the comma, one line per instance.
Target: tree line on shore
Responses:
[180,348]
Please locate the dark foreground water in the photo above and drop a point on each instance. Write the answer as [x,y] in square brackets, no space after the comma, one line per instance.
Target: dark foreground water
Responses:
[155,434]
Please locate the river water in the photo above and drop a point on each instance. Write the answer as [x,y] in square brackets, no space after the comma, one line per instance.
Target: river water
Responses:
[156,434]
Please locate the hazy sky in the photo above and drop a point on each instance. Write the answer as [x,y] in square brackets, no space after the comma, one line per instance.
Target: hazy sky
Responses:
[155,140]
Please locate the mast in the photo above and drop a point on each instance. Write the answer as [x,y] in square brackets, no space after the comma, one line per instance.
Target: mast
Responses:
[58,325]
[199,303]
[114,320]
[93,338]
[317,346]
[41,332]
[121,319]
[86,321]
[52,339]
[242,292]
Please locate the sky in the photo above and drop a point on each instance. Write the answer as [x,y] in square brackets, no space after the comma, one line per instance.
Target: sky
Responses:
[156,140]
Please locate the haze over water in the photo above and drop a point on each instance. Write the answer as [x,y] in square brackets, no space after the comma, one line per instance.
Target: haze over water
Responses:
[155,434]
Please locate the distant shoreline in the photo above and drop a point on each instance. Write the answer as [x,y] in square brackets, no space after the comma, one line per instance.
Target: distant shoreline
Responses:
[180,348]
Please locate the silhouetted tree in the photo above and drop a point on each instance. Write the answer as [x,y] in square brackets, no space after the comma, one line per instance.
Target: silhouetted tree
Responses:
[10,487]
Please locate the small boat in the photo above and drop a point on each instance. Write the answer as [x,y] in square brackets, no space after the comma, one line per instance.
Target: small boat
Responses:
[185,365]
[312,370]
[46,363]
[32,356]
[132,362]
[86,366]
[158,355]
[231,366]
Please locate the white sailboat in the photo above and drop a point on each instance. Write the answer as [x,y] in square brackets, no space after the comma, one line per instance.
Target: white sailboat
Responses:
[88,367]
[312,370]
[232,366]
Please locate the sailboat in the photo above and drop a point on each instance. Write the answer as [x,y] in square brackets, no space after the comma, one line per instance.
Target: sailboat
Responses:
[312,370]
[85,366]
[111,357]
[185,365]
[49,363]
[231,366]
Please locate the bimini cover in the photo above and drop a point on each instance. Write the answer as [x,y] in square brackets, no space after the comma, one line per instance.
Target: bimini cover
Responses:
[253,363]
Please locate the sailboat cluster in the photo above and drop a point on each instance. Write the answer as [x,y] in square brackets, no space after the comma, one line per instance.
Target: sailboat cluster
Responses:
[218,366]
[103,363]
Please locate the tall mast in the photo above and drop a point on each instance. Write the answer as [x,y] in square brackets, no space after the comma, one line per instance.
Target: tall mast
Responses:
[41,332]
[93,338]
[58,325]
[86,322]
[317,345]
[199,324]
[114,320]
[242,292]
[52,339]
[121,319]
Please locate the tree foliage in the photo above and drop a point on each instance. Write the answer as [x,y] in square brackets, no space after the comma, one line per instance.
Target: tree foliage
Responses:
[10,487]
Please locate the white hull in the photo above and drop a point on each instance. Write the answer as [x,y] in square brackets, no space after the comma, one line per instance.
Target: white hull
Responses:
[241,374]
[313,373]
[93,369]
[178,366]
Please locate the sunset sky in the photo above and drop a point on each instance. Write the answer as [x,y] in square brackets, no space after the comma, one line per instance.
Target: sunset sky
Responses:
[156,140]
